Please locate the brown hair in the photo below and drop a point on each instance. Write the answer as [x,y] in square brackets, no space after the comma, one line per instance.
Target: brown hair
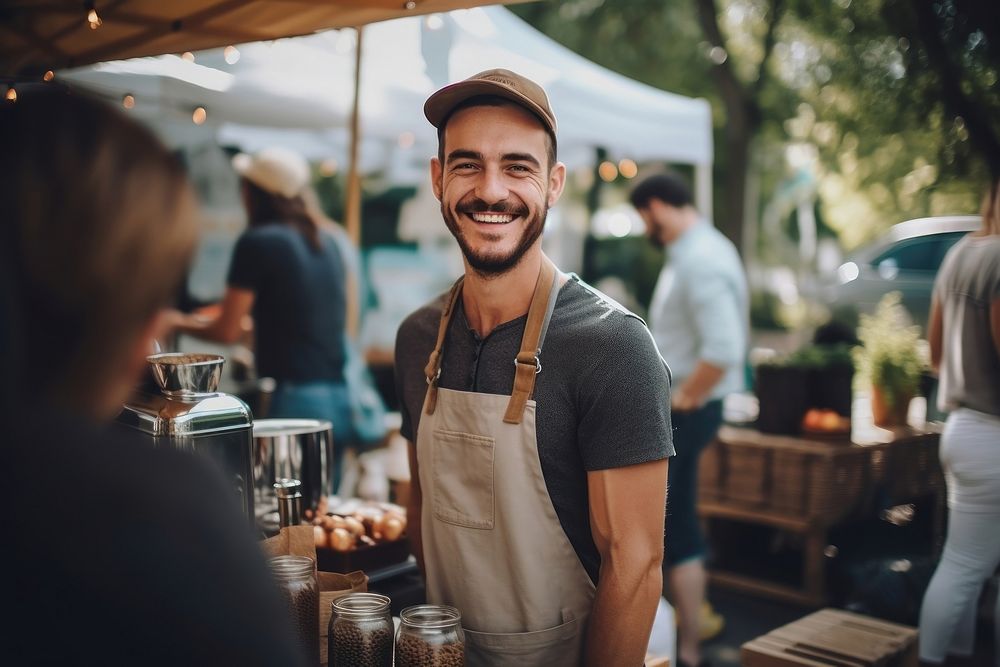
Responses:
[266,208]
[991,209]
[98,226]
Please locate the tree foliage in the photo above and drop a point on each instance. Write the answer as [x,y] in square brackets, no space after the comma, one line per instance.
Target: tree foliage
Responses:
[896,99]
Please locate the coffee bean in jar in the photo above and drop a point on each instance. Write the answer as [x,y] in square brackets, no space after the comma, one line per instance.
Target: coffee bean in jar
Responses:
[296,576]
[430,636]
[360,631]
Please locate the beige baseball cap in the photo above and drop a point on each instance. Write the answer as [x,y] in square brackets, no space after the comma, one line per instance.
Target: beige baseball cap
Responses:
[499,82]
[277,170]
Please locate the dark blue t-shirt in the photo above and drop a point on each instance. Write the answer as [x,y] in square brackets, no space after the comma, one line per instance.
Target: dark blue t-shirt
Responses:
[299,308]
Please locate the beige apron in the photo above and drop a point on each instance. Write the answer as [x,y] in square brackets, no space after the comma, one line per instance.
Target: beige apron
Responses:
[493,545]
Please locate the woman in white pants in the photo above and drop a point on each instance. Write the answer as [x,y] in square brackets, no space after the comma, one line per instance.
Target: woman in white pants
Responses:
[964,337]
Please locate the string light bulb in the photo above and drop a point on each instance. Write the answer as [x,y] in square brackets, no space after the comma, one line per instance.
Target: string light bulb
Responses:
[410,5]
[49,75]
[231,54]
[627,168]
[93,20]
[328,167]
[11,94]
[608,171]
[128,101]
[188,56]
[199,116]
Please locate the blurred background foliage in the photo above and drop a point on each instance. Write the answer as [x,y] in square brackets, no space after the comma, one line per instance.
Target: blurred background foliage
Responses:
[893,103]
[870,111]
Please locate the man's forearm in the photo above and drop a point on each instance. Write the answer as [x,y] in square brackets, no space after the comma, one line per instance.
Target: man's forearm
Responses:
[699,385]
[413,507]
[413,531]
[622,617]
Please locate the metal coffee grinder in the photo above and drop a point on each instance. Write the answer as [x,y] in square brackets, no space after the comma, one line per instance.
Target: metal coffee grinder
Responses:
[183,410]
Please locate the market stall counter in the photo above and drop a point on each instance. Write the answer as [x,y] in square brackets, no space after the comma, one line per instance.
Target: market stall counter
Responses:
[762,494]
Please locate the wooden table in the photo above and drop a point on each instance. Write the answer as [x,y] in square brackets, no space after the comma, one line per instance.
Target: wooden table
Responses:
[807,485]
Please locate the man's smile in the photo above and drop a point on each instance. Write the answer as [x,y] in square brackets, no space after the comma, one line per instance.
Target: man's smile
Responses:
[492,218]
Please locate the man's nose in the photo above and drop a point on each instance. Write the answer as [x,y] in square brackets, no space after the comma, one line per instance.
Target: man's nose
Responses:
[492,187]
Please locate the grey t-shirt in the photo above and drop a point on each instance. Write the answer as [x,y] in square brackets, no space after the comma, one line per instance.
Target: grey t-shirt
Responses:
[603,394]
[967,283]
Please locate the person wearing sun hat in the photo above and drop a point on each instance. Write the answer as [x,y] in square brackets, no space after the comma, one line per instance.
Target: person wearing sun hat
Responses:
[537,410]
[288,271]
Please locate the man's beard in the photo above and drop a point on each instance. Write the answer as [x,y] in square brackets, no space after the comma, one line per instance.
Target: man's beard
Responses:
[492,265]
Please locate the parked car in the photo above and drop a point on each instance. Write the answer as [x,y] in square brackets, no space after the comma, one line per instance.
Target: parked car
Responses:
[906,258]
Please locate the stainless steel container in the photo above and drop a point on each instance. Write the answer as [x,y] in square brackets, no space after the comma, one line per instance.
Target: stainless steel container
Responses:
[299,449]
[195,416]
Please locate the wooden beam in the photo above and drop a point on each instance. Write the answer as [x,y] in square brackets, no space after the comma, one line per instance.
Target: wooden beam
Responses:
[352,212]
[190,22]
[237,36]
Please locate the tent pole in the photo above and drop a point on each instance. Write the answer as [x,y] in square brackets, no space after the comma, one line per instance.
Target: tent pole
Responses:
[703,189]
[352,213]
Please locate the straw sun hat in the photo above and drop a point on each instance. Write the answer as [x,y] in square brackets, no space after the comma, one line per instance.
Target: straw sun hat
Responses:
[277,170]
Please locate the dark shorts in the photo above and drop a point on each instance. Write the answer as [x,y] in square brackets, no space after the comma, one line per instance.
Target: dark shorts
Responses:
[693,430]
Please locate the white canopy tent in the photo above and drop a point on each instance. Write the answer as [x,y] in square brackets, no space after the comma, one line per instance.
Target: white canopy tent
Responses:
[298,92]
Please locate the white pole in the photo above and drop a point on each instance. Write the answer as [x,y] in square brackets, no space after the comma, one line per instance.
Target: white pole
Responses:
[703,189]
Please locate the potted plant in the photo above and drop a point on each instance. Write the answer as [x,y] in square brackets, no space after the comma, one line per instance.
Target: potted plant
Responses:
[782,395]
[815,376]
[830,369]
[890,359]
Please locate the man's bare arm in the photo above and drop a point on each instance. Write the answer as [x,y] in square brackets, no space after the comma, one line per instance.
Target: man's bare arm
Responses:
[627,508]
[697,388]
[413,507]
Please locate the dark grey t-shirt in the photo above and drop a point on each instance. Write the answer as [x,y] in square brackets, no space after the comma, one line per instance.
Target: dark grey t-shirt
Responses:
[603,394]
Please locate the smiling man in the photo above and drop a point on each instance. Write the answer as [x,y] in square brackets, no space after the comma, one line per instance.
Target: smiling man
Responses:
[537,410]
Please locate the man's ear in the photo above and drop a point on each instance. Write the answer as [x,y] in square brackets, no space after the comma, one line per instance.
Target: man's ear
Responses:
[436,171]
[557,181]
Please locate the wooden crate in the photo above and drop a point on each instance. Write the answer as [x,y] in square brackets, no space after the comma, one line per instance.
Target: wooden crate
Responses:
[836,638]
[821,481]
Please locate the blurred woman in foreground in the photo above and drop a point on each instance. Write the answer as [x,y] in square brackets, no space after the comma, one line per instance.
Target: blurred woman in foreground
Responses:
[116,552]
[964,336]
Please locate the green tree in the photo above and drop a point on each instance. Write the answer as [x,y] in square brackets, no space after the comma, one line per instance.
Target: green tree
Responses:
[898,98]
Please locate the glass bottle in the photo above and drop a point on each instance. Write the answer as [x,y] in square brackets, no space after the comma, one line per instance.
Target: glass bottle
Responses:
[430,635]
[360,631]
[296,576]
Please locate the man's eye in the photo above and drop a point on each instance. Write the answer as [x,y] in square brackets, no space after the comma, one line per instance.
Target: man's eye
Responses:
[519,167]
[464,166]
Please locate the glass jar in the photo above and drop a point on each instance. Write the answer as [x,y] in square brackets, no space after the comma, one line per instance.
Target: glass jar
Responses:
[430,635]
[360,633]
[296,576]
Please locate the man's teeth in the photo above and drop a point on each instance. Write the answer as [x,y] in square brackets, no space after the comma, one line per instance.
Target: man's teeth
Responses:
[492,217]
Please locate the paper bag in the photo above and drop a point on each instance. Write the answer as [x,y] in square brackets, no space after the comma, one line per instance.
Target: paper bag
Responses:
[298,541]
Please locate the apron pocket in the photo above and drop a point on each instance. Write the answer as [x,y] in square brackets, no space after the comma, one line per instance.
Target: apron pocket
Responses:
[463,479]
[561,646]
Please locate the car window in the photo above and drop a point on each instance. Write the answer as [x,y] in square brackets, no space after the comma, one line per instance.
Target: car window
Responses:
[919,254]
[946,242]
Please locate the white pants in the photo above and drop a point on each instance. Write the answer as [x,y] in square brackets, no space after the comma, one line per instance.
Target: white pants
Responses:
[970,456]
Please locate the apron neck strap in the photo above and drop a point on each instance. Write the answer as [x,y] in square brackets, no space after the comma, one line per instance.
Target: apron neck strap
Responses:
[527,363]
[433,369]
